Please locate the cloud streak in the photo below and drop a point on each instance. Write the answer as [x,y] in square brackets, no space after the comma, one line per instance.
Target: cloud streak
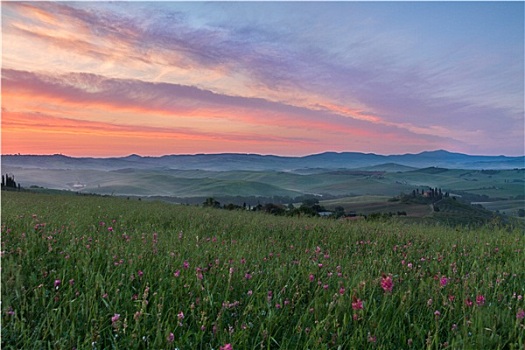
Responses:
[336,76]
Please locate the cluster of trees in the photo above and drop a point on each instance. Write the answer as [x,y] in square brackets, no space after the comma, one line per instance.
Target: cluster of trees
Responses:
[435,193]
[423,196]
[8,181]
[308,207]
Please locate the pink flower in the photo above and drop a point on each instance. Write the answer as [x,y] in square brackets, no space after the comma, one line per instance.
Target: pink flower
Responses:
[180,315]
[248,276]
[357,304]
[171,338]
[520,315]
[443,281]
[480,300]
[387,284]
[186,264]
[342,290]
[71,282]
[140,273]
[468,302]
[226,347]
[57,283]
[312,277]
[115,318]
[110,229]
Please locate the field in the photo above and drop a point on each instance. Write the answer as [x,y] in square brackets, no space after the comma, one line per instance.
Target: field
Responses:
[109,273]
[493,184]
[377,204]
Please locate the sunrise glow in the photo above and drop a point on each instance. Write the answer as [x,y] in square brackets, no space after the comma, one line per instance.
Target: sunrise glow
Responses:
[117,78]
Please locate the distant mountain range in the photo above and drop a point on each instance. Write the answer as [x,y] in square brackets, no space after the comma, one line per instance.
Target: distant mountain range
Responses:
[256,162]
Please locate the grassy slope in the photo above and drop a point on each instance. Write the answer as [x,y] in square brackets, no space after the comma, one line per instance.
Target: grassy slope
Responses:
[253,280]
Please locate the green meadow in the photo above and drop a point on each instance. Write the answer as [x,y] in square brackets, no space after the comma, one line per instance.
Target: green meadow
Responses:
[87,272]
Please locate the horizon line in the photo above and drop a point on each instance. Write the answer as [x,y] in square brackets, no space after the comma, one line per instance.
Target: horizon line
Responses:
[261,154]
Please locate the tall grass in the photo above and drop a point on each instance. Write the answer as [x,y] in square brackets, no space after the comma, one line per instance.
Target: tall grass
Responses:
[110,273]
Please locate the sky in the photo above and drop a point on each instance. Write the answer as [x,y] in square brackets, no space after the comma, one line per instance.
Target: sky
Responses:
[110,79]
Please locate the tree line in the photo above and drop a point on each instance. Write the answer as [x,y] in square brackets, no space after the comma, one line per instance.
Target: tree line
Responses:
[8,181]
[308,207]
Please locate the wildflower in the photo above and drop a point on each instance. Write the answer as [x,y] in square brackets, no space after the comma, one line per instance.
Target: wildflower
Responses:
[176,273]
[520,315]
[371,338]
[480,300]
[57,283]
[387,284]
[71,282]
[140,273]
[110,229]
[443,281]
[171,338]
[115,318]
[186,264]
[342,290]
[226,347]
[249,292]
[180,315]
[454,327]
[248,276]
[312,277]
[468,302]
[437,313]
[357,304]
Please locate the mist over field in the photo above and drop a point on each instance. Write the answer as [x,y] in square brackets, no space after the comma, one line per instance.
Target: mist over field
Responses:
[191,175]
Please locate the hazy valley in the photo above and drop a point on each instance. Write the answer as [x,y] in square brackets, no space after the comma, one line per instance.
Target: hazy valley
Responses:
[361,183]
